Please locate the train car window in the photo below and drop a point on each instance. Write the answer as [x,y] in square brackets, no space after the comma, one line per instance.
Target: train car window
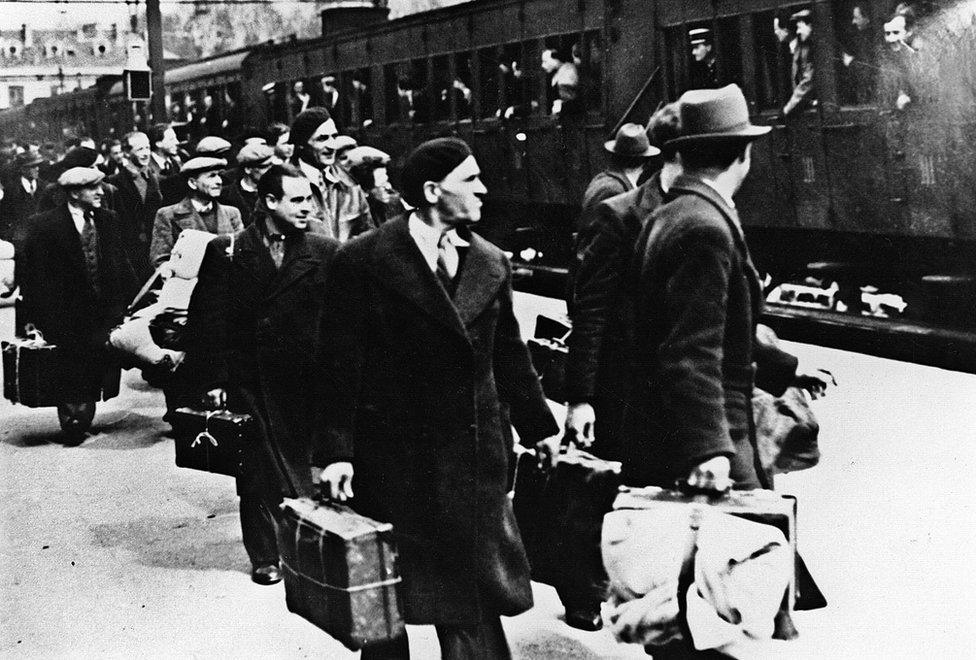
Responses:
[420,91]
[729,52]
[462,85]
[516,86]
[673,65]
[490,70]
[360,100]
[300,97]
[560,60]
[441,88]
[860,39]
[233,110]
[326,94]
[771,41]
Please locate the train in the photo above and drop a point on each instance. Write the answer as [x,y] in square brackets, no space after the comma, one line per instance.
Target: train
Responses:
[862,214]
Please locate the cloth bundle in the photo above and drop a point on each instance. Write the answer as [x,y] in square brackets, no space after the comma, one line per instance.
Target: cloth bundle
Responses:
[134,337]
[739,571]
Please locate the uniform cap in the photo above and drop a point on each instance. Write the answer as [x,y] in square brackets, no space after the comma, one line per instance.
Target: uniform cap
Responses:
[212,145]
[255,154]
[80,177]
[699,36]
[201,164]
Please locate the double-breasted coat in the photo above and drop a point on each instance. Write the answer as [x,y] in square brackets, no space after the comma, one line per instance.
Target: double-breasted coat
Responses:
[257,327]
[59,301]
[697,300]
[172,220]
[416,388]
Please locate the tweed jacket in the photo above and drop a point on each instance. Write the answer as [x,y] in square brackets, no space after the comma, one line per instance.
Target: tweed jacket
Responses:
[171,220]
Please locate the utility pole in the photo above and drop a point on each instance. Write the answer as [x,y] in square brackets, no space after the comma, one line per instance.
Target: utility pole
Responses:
[154,34]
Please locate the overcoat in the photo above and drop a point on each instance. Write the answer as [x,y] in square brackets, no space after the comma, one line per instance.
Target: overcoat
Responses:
[136,216]
[16,208]
[603,186]
[233,195]
[599,345]
[257,327]
[172,220]
[58,300]
[697,300]
[414,392]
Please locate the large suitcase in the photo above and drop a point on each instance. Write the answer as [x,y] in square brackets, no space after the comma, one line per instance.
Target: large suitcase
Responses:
[340,571]
[211,440]
[560,515]
[37,375]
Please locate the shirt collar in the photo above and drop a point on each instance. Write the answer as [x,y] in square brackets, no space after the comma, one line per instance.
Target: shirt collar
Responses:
[160,160]
[313,173]
[29,186]
[200,207]
[77,216]
[725,198]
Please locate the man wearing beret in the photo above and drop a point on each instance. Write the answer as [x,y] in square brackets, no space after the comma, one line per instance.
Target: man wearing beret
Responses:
[198,210]
[76,283]
[421,361]
[257,312]
[241,190]
[342,203]
[137,201]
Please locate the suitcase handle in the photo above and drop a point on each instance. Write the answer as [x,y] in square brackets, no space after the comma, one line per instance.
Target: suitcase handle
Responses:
[685,488]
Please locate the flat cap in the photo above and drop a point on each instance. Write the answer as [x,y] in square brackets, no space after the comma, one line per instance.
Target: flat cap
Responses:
[366,154]
[201,164]
[80,177]
[344,142]
[255,154]
[804,15]
[29,159]
[212,145]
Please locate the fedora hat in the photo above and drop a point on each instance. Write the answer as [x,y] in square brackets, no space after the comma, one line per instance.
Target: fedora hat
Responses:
[631,140]
[715,115]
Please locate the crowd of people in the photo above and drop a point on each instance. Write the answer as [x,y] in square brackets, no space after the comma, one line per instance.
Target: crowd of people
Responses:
[380,356]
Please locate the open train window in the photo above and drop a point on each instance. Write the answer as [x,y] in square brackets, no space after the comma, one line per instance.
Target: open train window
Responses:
[771,40]
[591,68]
[462,86]
[441,89]
[490,70]
[392,94]
[360,99]
[561,60]
[517,99]
[859,38]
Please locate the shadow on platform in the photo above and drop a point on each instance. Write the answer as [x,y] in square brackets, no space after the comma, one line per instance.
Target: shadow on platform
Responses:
[115,430]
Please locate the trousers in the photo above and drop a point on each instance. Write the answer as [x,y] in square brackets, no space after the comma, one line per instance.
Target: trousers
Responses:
[482,641]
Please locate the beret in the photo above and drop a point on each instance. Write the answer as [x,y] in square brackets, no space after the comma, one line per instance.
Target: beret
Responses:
[212,145]
[255,154]
[201,164]
[431,161]
[79,157]
[306,123]
[344,142]
[364,154]
[78,177]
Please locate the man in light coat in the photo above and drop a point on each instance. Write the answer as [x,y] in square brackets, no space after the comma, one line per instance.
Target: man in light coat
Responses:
[421,363]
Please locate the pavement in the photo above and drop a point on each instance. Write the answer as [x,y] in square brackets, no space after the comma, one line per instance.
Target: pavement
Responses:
[108,550]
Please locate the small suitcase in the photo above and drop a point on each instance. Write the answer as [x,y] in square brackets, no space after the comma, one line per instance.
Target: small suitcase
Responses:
[31,373]
[211,440]
[560,515]
[340,571]
[549,353]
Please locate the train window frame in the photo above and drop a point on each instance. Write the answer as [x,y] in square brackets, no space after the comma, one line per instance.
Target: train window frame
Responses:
[439,84]
[490,93]
[463,67]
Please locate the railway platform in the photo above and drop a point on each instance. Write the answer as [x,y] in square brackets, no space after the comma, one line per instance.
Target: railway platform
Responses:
[107,550]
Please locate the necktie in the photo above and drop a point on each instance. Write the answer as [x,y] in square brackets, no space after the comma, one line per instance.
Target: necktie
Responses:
[276,246]
[89,246]
[447,263]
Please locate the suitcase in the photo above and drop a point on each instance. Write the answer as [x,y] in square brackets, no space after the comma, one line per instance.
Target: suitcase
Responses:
[549,353]
[31,373]
[340,571]
[560,515]
[763,506]
[211,440]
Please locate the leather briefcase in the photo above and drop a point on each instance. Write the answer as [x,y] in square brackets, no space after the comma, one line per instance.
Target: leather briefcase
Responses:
[211,440]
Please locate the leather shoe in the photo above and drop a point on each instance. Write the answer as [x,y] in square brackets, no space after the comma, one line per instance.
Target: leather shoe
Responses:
[584,619]
[267,574]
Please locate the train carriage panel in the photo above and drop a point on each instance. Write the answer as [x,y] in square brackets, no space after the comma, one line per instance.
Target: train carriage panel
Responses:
[856,156]
[809,173]
[927,197]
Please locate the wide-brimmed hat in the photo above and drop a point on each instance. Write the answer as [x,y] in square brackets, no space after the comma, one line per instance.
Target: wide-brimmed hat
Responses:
[715,115]
[631,140]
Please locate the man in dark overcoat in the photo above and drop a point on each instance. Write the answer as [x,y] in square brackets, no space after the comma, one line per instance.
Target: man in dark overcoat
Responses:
[421,360]
[76,283]
[802,71]
[20,199]
[240,190]
[137,201]
[257,310]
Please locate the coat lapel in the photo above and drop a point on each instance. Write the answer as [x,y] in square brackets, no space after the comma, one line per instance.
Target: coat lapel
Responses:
[398,263]
[251,256]
[298,261]
[480,276]
[70,240]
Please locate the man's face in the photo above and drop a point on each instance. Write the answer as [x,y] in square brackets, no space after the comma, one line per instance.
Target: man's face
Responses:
[207,184]
[139,150]
[459,202]
[895,32]
[803,30]
[89,197]
[321,146]
[700,51]
[549,62]
[859,19]
[115,153]
[381,186]
[299,88]
[295,206]
[30,173]
[169,145]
